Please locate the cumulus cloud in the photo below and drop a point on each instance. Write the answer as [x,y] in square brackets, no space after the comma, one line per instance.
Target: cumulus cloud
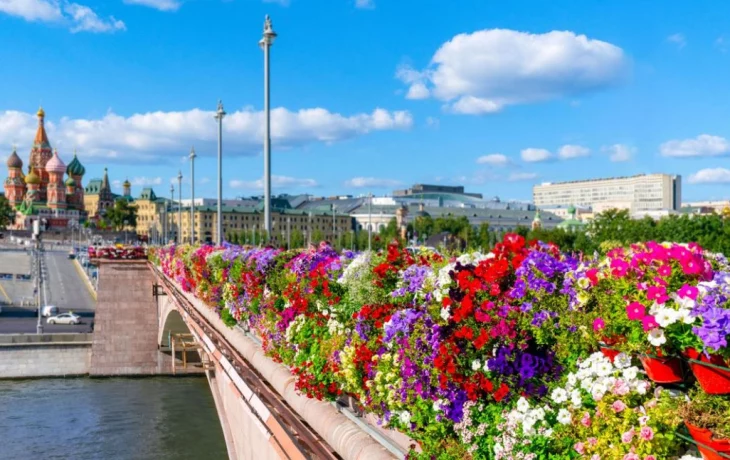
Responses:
[484,71]
[522,176]
[710,176]
[371,182]
[494,159]
[276,182]
[532,155]
[365,4]
[677,39]
[618,152]
[79,18]
[139,182]
[162,5]
[569,151]
[703,145]
[156,136]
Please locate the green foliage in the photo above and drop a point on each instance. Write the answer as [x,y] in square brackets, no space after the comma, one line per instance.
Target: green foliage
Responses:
[122,212]
[705,411]
[227,318]
[6,212]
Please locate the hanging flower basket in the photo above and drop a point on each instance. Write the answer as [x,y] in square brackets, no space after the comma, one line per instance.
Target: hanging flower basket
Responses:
[709,447]
[712,373]
[662,369]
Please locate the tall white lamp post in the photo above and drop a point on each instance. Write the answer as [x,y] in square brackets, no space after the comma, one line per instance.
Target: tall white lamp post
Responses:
[192,195]
[219,114]
[266,41]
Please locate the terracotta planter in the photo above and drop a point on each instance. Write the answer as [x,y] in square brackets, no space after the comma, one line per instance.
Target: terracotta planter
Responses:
[663,370]
[609,353]
[607,342]
[707,445]
[712,380]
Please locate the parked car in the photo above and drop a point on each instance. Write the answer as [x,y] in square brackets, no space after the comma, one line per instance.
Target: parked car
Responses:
[72,255]
[49,310]
[64,318]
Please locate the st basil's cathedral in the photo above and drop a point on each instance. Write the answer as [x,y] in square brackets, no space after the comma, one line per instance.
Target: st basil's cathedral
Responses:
[43,193]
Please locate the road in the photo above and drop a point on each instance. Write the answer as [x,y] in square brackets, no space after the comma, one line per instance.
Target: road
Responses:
[65,289]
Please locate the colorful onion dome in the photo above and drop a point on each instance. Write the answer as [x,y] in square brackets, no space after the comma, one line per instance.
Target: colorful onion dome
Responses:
[127,183]
[75,168]
[32,177]
[70,182]
[14,161]
[55,164]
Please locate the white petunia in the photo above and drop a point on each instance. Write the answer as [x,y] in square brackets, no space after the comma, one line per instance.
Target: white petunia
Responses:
[630,373]
[666,317]
[523,405]
[564,416]
[486,365]
[685,316]
[622,361]
[445,314]
[405,417]
[559,396]
[575,398]
[656,337]
[475,365]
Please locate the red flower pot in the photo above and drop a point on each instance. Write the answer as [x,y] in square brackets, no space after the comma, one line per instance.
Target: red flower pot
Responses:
[712,380]
[609,353]
[662,370]
[709,447]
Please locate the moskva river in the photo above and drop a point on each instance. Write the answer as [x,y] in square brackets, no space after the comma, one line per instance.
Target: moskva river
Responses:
[109,419]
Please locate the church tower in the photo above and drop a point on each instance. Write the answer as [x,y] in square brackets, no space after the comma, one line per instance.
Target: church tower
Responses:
[56,189]
[75,171]
[14,184]
[40,154]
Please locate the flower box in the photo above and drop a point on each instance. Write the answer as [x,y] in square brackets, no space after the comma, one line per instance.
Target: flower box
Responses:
[712,379]
[663,370]
[709,447]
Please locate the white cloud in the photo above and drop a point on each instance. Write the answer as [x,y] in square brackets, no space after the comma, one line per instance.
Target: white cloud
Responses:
[86,20]
[533,155]
[569,151]
[418,91]
[704,145]
[514,177]
[371,182]
[710,176]
[493,159]
[618,152]
[365,4]
[484,71]
[79,18]
[678,39]
[32,10]
[162,5]
[156,136]
[276,182]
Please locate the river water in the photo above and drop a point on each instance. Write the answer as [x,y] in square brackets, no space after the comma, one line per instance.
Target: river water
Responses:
[110,419]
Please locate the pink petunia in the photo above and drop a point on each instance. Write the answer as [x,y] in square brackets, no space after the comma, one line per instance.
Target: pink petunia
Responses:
[592,441]
[635,311]
[619,267]
[631,456]
[665,270]
[628,436]
[599,324]
[621,388]
[658,293]
[679,253]
[646,433]
[649,323]
[618,406]
[580,448]
[586,420]
[691,266]
[650,457]
[688,291]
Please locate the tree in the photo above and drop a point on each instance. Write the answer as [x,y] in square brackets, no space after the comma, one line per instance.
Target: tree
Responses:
[121,214]
[7,213]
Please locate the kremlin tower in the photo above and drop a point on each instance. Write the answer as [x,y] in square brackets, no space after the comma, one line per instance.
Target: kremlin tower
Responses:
[44,193]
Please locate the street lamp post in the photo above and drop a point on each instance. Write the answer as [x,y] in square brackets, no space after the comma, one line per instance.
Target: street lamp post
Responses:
[219,114]
[266,41]
[192,195]
[179,207]
[288,233]
[370,220]
[169,218]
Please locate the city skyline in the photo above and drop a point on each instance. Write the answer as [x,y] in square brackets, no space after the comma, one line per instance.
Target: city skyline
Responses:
[371,95]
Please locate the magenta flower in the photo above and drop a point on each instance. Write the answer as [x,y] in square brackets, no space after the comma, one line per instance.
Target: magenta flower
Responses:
[688,291]
[665,270]
[599,324]
[580,448]
[619,267]
[658,293]
[618,406]
[635,311]
[649,323]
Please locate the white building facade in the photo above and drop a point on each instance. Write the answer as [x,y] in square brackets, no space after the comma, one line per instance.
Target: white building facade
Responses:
[638,194]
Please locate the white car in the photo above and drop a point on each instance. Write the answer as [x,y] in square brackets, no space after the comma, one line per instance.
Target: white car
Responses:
[49,310]
[64,318]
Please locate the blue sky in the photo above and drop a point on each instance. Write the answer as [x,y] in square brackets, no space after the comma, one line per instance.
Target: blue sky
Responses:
[375,95]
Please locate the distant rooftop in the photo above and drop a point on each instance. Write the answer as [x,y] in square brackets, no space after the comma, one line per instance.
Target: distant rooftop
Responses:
[606,178]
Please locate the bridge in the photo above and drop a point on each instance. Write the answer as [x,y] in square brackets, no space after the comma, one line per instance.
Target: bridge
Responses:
[147,325]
